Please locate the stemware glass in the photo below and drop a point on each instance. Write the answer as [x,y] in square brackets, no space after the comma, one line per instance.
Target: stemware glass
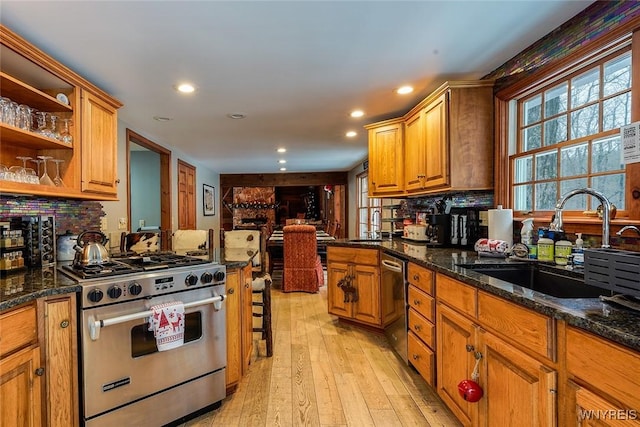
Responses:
[45,179]
[53,132]
[3,172]
[20,171]
[65,134]
[38,162]
[57,180]
[42,123]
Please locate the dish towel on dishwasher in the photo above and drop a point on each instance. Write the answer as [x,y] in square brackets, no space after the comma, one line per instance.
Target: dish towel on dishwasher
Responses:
[167,324]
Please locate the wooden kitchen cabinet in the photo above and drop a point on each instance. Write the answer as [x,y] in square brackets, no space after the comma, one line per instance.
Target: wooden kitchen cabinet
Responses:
[447,143]
[60,351]
[20,370]
[362,267]
[31,77]
[239,325]
[602,387]
[99,145]
[386,158]
[517,374]
[512,379]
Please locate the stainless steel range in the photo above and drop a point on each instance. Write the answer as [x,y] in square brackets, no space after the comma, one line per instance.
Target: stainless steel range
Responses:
[125,379]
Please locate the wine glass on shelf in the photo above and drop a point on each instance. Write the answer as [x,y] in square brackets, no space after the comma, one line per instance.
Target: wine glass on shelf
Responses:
[20,171]
[57,180]
[53,132]
[65,134]
[42,123]
[45,179]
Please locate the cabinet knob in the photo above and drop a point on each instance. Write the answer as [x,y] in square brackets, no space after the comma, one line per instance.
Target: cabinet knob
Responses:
[416,357]
[231,291]
[39,372]
[417,327]
[416,277]
[470,348]
[416,302]
[64,324]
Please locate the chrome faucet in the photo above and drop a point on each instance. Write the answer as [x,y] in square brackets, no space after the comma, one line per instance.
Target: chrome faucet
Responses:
[628,227]
[377,234]
[556,224]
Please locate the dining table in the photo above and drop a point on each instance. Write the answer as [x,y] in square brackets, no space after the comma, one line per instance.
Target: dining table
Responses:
[275,244]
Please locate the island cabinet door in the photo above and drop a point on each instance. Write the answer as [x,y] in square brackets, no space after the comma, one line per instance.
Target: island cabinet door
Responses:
[367,308]
[20,389]
[518,390]
[234,322]
[338,304]
[455,343]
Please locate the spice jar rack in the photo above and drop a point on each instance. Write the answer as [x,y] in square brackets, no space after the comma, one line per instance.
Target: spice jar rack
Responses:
[12,248]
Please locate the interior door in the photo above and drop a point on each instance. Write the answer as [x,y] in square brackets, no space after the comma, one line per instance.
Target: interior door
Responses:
[186,196]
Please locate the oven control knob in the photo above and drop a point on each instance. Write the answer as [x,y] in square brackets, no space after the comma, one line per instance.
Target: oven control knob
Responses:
[95,295]
[135,288]
[114,292]
[191,280]
[206,277]
[218,276]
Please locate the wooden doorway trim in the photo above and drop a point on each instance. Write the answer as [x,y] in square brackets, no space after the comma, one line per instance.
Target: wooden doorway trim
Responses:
[165,182]
[186,196]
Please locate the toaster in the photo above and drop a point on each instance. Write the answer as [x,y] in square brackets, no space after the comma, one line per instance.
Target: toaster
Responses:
[417,232]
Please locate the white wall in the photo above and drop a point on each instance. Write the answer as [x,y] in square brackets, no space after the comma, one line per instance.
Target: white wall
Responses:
[204,175]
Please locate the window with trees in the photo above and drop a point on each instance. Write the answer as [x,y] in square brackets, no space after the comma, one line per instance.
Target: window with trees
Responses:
[567,135]
[368,220]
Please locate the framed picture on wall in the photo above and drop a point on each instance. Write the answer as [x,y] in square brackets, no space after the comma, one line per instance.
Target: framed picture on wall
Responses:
[208,200]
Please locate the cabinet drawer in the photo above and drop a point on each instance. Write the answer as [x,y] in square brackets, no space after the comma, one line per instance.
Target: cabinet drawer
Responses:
[352,255]
[605,365]
[533,330]
[421,357]
[420,277]
[457,294]
[422,303]
[18,328]
[424,329]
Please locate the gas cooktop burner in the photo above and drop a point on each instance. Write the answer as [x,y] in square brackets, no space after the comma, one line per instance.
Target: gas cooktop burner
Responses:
[133,263]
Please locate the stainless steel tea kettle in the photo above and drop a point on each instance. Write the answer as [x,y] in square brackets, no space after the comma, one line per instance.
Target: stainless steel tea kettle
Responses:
[91,253]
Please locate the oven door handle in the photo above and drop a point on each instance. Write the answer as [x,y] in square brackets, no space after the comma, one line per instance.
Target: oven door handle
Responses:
[95,324]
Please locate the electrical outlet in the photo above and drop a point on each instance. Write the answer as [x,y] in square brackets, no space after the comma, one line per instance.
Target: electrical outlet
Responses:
[122,223]
[103,224]
[141,223]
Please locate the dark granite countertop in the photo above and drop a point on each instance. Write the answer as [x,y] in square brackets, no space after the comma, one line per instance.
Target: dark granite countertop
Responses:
[604,319]
[32,283]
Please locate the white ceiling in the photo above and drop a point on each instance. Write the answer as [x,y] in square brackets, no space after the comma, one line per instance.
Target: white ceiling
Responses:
[295,68]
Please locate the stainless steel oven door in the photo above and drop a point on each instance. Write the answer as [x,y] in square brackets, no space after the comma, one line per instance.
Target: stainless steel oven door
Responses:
[121,363]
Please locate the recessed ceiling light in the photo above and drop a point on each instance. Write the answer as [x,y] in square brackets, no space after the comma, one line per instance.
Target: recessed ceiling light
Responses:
[403,90]
[351,134]
[281,150]
[185,88]
[283,169]
[162,119]
[282,161]
[357,113]
[236,116]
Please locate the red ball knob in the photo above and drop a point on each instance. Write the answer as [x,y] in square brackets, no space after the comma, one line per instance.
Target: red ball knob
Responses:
[470,390]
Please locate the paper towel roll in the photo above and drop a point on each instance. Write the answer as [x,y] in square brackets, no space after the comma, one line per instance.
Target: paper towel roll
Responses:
[501,224]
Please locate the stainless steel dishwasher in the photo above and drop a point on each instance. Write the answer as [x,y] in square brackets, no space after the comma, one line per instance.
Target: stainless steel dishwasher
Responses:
[394,290]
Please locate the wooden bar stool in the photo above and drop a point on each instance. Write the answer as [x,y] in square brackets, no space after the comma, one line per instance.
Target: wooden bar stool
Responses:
[262,285]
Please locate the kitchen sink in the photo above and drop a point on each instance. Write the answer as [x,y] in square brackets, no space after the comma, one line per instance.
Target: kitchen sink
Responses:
[541,280]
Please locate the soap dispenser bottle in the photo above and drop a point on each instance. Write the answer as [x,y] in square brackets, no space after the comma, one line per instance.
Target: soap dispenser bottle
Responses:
[578,251]
[526,237]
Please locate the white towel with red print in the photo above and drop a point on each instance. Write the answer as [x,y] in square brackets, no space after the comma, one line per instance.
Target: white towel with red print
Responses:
[167,324]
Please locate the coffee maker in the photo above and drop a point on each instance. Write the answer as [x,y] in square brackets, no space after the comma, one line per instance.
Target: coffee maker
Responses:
[438,226]
[466,226]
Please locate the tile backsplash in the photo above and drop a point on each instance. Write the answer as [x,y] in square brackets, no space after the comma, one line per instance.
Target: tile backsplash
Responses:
[73,215]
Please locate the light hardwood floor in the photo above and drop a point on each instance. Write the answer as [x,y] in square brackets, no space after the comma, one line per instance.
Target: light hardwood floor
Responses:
[326,373]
